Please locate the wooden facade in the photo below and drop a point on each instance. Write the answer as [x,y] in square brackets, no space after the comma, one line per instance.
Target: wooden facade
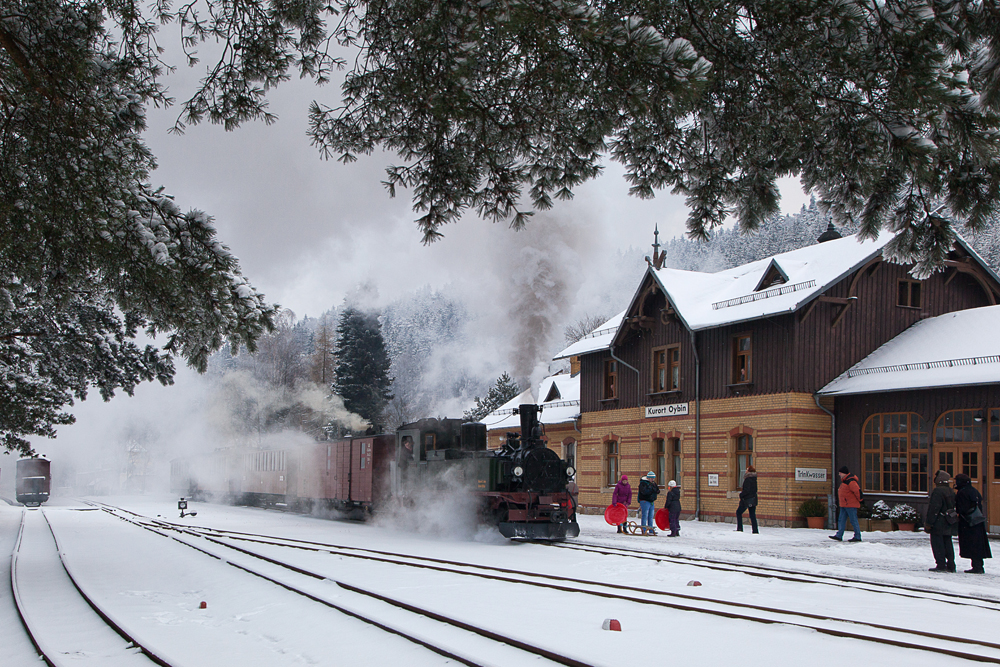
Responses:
[792,356]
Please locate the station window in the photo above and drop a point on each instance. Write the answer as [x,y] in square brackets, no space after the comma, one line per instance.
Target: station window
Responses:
[675,447]
[666,368]
[896,447]
[610,379]
[959,426]
[660,461]
[909,294]
[742,359]
[612,462]
[743,446]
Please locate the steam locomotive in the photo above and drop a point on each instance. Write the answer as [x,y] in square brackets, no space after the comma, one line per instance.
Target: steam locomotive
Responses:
[32,482]
[524,488]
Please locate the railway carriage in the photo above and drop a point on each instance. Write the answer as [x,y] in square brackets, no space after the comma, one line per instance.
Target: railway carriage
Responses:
[524,488]
[33,482]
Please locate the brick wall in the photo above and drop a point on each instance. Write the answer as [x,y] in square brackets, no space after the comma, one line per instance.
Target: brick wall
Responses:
[788,431]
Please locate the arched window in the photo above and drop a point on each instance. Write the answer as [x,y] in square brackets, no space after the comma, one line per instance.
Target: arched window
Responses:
[896,446]
[959,426]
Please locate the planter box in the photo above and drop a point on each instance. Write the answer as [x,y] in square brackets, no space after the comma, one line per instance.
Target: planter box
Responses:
[905,527]
[866,525]
[815,521]
[882,525]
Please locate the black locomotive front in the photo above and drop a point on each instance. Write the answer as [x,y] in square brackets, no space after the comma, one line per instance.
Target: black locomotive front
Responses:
[524,488]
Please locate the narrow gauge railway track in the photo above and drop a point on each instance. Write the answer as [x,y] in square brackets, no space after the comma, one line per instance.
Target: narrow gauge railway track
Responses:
[884,634]
[95,637]
[158,527]
[899,590]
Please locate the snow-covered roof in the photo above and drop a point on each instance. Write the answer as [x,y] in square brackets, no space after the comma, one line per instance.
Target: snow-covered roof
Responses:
[954,349]
[598,339]
[707,300]
[559,396]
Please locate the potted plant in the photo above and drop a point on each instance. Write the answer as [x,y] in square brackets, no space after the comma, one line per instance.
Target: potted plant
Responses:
[814,512]
[880,517]
[905,517]
[865,517]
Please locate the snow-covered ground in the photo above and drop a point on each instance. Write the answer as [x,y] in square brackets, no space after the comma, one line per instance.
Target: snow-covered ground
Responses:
[153,586]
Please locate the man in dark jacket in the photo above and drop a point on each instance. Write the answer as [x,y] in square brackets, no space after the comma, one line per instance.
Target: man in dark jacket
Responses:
[673,507]
[942,499]
[748,500]
[972,542]
[648,490]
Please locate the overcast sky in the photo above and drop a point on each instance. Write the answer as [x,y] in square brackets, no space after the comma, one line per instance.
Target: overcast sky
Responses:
[309,231]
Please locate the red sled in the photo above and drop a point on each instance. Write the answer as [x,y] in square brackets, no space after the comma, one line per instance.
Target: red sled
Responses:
[662,519]
[616,514]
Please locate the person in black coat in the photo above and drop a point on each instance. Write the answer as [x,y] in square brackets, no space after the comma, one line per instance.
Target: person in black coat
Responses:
[748,500]
[972,542]
[942,500]
[673,507]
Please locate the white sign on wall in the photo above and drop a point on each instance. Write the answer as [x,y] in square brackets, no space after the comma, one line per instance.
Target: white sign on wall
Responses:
[810,474]
[666,410]
[713,479]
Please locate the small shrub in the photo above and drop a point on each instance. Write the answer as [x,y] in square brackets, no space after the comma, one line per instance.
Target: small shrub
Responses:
[880,511]
[812,507]
[903,513]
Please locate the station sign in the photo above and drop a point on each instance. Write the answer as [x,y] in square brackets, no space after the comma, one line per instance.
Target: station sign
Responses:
[810,474]
[671,410]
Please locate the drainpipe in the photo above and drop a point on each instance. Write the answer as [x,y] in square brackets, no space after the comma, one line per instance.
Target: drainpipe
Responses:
[697,430]
[833,461]
[611,348]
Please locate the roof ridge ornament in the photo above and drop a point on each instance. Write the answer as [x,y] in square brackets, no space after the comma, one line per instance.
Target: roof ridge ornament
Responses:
[658,255]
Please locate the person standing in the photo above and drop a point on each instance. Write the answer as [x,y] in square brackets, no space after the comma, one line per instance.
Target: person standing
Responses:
[748,500]
[622,494]
[972,541]
[941,502]
[849,499]
[648,490]
[673,507]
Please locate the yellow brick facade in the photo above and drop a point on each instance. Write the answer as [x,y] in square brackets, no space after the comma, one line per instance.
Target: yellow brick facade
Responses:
[789,431]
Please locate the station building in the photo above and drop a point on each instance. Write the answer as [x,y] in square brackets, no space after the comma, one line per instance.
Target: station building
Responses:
[706,373]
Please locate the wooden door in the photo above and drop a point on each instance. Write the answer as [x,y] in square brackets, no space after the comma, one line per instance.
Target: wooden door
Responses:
[958,459]
[992,490]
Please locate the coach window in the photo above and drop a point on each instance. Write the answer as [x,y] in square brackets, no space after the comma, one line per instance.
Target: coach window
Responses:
[610,379]
[895,453]
[612,462]
[742,359]
[909,294]
[744,456]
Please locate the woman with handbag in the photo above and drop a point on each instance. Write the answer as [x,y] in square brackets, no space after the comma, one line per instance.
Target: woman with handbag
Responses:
[972,542]
[942,523]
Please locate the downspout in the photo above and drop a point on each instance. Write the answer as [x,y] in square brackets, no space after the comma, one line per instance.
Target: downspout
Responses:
[697,430]
[833,461]
[611,349]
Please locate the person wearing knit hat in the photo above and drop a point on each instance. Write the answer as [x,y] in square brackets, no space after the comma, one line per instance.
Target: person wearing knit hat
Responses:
[673,507]
[648,490]
[939,525]
[849,499]
[748,500]
[622,494]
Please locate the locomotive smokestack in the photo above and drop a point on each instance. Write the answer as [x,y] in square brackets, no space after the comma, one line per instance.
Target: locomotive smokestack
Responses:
[531,429]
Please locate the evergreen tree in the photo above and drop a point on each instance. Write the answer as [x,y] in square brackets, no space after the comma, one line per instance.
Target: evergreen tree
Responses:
[361,376]
[502,391]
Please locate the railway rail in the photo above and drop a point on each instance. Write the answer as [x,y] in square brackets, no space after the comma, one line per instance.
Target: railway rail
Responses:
[64,623]
[983,602]
[959,647]
[160,527]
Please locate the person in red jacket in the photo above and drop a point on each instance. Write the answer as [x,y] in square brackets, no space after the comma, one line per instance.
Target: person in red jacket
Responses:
[849,497]
[622,494]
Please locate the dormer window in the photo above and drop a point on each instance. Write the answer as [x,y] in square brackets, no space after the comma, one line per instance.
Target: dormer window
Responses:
[553,394]
[773,276]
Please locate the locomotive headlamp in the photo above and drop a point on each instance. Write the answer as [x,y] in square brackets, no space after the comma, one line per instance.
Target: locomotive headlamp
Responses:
[518,471]
[182,504]
[570,470]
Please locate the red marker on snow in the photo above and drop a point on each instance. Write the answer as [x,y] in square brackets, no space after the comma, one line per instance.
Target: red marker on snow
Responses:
[203,605]
[612,624]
